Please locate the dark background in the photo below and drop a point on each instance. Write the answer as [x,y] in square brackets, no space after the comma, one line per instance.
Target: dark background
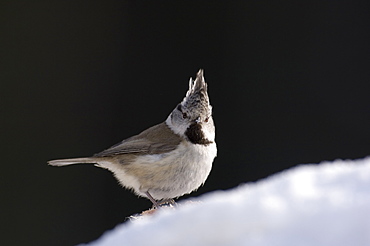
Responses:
[288,81]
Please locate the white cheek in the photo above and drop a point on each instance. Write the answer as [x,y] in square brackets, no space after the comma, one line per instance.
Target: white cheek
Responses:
[176,128]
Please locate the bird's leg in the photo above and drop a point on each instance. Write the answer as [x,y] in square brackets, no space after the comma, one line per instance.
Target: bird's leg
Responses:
[155,203]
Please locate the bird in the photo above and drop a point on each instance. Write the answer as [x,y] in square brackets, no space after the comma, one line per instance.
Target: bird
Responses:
[167,160]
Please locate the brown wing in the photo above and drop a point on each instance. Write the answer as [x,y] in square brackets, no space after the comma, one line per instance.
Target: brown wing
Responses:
[155,140]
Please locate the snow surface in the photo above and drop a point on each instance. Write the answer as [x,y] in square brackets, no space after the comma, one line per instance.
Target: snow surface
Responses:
[325,204]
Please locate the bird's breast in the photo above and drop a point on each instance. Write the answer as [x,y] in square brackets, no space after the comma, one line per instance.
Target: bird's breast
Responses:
[177,172]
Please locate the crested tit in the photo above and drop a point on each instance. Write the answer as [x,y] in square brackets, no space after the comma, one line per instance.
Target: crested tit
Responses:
[167,160]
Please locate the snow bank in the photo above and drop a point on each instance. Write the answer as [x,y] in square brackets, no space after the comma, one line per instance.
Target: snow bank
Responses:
[325,204]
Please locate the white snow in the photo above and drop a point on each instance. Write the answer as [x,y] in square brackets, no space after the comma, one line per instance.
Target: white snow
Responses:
[325,204]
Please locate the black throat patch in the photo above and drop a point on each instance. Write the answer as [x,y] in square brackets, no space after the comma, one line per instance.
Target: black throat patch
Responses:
[195,135]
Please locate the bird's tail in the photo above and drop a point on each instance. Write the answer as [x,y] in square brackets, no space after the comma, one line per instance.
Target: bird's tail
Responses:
[66,162]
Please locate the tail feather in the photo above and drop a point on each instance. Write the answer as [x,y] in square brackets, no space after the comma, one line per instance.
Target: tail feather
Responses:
[66,162]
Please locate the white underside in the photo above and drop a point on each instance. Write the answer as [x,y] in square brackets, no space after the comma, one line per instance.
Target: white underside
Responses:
[172,174]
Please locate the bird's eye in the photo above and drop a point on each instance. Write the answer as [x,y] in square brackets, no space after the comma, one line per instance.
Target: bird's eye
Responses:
[206,119]
[184,115]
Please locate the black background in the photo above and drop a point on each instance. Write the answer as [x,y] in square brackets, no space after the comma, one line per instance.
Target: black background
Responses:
[288,81]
